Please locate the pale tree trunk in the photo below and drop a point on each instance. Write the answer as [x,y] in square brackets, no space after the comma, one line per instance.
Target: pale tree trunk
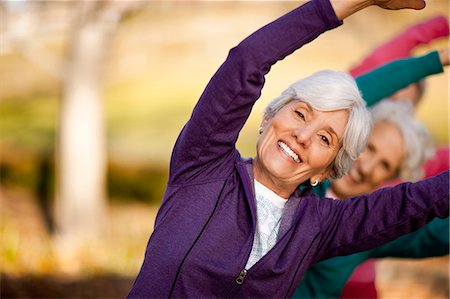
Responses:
[81,199]
[80,209]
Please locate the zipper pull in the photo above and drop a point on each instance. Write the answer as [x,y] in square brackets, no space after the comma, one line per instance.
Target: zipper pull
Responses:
[241,277]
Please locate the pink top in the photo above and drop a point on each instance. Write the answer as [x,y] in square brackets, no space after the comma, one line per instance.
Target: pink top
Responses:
[402,45]
[439,163]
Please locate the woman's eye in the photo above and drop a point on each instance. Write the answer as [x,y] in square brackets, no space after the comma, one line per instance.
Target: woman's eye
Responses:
[385,165]
[325,139]
[300,114]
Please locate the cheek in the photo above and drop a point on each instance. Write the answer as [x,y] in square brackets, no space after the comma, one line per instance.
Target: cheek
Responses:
[380,176]
[321,156]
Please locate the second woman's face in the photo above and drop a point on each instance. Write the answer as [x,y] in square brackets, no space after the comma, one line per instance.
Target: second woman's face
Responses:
[297,143]
[379,163]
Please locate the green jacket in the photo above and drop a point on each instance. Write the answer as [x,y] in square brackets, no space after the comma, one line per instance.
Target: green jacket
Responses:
[327,279]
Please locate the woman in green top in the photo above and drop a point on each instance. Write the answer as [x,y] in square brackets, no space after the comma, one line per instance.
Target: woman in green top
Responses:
[386,160]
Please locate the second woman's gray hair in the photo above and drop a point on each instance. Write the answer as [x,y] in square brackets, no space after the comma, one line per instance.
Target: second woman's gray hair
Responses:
[329,91]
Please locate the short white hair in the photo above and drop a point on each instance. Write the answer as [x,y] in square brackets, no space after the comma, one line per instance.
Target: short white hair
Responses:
[417,142]
[330,91]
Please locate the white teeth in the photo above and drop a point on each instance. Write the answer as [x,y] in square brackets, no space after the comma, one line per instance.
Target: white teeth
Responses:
[288,151]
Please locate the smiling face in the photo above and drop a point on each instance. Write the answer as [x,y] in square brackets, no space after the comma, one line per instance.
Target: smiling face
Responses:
[379,162]
[296,144]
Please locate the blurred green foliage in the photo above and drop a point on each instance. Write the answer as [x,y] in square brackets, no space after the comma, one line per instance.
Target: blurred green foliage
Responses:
[146,184]
[28,140]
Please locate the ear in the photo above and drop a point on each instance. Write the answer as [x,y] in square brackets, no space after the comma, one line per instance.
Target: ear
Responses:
[321,176]
[264,122]
[317,178]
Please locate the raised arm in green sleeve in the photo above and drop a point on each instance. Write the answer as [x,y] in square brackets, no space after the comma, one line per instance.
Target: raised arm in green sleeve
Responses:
[429,241]
[391,77]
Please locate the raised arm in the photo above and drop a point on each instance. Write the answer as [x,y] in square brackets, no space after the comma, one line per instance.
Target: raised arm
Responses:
[210,135]
[402,45]
[389,78]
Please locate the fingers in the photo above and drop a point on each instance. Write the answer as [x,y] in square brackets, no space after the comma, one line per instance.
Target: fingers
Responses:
[402,4]
[417,4]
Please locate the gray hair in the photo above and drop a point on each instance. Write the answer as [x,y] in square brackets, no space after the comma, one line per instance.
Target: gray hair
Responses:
[330,91]
[417,142]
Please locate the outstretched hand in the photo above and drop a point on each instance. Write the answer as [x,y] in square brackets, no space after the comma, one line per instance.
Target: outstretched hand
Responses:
[400,4]
[345,8]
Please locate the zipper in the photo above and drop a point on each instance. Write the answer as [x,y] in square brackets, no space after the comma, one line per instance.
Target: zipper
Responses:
[240,279]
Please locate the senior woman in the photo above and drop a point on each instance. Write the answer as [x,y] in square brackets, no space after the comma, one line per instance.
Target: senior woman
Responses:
[211,239]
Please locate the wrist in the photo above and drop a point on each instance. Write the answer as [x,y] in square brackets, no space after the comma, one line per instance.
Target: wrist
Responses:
[444,56]
[345,8]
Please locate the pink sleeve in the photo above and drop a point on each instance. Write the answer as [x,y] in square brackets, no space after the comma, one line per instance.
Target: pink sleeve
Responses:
[431,167]
[402,45]
[361,283]
[439,163]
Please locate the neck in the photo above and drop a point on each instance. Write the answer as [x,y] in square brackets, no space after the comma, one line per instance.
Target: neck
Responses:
[336,193]
[282,189]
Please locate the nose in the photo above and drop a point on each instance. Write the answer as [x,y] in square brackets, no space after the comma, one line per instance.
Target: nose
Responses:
[303,135]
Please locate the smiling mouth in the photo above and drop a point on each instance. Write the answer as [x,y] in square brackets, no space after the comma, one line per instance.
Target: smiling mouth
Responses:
[289,151]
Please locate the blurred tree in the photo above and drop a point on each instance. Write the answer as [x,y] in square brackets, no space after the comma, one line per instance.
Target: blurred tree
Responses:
[81,162]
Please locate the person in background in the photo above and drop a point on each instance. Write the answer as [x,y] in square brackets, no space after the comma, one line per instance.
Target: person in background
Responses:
[234,227]
[402,46]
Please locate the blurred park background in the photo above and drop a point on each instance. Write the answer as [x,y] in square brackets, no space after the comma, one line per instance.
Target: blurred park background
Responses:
[92,97]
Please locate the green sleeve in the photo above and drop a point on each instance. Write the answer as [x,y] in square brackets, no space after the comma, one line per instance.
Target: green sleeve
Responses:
[391,77]
[327,278]
[429,241]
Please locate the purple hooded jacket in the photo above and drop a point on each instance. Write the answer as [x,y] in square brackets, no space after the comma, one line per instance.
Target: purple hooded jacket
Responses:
[204,229]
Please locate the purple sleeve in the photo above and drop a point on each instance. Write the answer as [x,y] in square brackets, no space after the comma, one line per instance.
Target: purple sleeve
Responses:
[208,139]
[368,221]
[402,45]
